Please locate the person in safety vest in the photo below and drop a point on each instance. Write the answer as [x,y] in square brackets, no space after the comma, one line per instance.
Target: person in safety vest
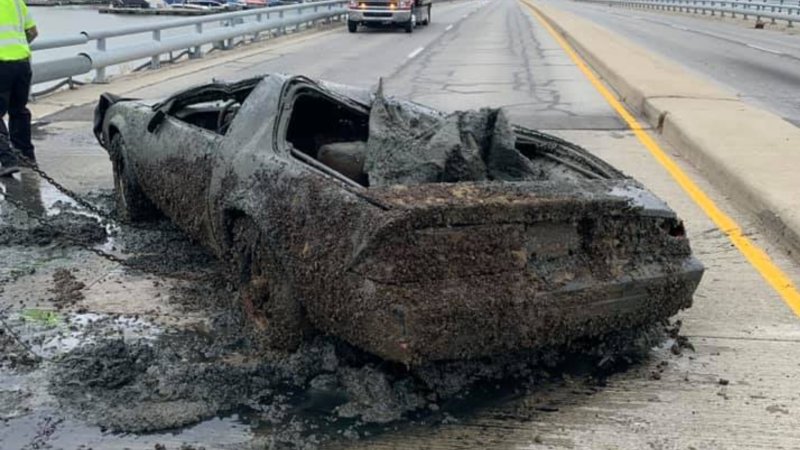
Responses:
[17,30]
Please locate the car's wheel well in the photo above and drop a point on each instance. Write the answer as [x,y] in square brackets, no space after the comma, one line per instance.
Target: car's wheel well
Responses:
[229,218]
[112,131]
[236,224]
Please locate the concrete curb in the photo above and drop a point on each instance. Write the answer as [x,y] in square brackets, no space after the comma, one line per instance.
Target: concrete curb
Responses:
[751,155]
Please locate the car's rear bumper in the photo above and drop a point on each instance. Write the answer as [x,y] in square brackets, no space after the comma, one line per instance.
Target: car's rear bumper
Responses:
[479,316]
[473,269]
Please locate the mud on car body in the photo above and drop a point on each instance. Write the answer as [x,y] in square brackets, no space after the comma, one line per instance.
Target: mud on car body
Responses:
[409,233]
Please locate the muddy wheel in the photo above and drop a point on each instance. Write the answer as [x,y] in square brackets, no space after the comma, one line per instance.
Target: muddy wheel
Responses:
[352,26]
[132,204]
[275,316]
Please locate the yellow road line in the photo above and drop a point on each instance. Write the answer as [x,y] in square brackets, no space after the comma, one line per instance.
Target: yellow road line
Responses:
[757,257]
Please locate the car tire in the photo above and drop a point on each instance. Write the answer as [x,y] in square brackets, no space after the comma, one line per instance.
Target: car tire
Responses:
[131,203]
[352,26]
[275,318]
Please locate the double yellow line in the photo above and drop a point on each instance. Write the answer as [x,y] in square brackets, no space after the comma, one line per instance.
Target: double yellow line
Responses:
[757,257]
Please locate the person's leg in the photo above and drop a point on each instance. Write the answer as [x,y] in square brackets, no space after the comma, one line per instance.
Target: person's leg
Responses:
[7,159]
[19,117]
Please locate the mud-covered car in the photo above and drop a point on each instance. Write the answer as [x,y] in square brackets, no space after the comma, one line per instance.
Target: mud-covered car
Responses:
[409,233]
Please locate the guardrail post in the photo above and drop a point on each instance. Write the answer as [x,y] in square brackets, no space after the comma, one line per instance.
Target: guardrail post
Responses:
[100,72]
[155,60]
[230,42]
[197,51]
[772,8]
[270,32]
[282,28]
[257,34]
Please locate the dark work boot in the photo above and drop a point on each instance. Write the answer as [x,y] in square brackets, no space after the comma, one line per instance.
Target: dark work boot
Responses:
[10,165]
[30,154]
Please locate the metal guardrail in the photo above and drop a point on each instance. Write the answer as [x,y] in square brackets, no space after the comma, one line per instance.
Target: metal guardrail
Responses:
[784,10]
[233,25]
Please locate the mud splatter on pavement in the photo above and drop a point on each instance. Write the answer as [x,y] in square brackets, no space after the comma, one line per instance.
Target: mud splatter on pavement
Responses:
[67,289]
[182,378]
[13,353]
[64,228]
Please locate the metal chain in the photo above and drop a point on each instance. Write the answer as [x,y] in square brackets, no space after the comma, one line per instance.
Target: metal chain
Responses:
[45,224]
[30,164]
[27,162]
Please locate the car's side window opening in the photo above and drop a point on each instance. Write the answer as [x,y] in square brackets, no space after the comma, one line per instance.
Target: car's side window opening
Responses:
[210,109]
[212,116]
[331,133]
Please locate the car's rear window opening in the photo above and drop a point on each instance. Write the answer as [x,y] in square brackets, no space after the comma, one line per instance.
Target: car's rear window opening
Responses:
[330,133]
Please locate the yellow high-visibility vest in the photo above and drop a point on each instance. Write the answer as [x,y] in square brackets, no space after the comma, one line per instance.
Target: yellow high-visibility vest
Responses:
[14,20]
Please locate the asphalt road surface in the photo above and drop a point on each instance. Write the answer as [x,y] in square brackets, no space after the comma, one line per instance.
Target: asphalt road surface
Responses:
[738,389]
[761,66]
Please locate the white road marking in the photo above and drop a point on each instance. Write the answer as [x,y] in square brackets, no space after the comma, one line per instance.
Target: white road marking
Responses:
[768,50]
[449,27]
[415,52]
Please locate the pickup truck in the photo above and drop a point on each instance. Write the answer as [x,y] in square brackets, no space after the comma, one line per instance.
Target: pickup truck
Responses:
[388,13]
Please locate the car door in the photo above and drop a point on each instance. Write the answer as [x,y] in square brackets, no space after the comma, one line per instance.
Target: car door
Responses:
[186,156]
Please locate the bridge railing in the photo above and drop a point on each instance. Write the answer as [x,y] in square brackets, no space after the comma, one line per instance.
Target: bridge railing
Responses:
[220,30]
[774,10]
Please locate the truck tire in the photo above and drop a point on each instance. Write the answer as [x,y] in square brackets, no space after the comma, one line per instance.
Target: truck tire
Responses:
[131,203]
[409,27]
[352,26]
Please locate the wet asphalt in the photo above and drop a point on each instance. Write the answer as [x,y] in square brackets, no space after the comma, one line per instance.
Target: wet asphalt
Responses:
[761,66]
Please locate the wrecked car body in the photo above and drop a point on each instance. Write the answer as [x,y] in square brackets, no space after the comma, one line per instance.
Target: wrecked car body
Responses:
[412,234]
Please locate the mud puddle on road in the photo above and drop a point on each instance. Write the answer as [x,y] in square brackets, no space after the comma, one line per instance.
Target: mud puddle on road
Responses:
[99,356]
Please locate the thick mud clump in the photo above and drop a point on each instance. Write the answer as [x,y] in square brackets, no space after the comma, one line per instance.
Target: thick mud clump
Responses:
[64,228]
[148,243]
[180,379]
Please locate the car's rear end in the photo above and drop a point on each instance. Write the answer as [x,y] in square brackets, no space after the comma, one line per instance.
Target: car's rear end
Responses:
[476,269]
